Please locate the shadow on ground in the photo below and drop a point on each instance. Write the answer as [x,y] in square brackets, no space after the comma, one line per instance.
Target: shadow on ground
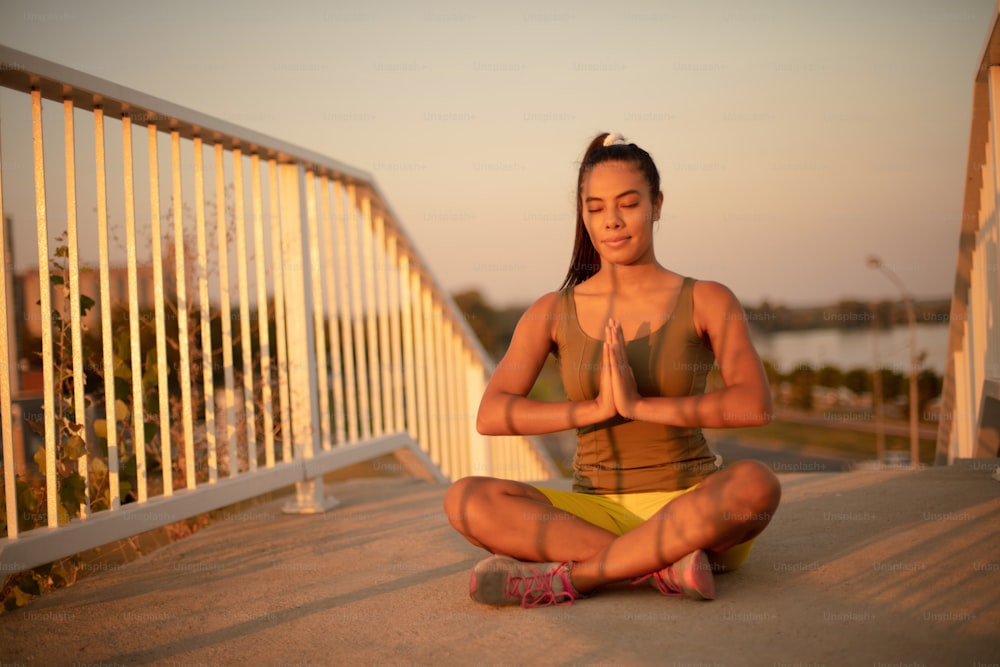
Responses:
[860,567]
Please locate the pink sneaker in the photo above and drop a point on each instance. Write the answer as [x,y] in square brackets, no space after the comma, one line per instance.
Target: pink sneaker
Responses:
[502,580]
[691,576]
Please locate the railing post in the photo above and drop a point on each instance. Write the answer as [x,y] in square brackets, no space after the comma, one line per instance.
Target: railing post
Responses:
[479,463]
[8,370]
[301,341]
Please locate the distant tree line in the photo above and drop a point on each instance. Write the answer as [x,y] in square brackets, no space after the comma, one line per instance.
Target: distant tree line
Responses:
[802,381]
[495,327]
[845,314]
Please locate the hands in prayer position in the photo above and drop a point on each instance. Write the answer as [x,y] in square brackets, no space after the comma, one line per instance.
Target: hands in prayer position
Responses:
[618,393]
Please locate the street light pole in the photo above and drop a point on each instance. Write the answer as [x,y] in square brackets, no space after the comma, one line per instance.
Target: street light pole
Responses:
[876,263]
[877,390]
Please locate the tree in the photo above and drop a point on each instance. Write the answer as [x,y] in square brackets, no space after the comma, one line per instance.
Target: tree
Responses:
[772,372]
[480,316]
[893,384]
[858,380]
[929,385]
[829,376]
[851,314]
[802,380]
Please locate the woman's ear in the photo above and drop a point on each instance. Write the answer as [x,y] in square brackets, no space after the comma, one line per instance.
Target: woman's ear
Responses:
[657,206]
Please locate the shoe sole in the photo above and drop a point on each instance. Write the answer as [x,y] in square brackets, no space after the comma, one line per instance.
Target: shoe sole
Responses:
[488,579]
[694,573]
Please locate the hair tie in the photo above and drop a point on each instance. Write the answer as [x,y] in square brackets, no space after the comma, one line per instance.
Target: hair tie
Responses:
[614,139]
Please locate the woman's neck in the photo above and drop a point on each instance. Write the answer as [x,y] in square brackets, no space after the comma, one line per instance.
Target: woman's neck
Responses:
[630,278]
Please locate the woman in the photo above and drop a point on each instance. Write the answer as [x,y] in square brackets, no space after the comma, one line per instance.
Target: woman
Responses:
[634,342]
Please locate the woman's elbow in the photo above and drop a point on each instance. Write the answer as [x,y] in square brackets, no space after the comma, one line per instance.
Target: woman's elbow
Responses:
[486,424]
[489,428]
[762,418]
[483,425]
[762,412]
[756,412]
[493,416]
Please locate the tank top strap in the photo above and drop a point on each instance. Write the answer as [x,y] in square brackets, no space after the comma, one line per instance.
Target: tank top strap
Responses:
[685,302]
[566,315]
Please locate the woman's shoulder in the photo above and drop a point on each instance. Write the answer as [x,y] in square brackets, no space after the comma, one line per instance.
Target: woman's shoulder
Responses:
[544,311]
[709,291]
[548,301]
[711,302]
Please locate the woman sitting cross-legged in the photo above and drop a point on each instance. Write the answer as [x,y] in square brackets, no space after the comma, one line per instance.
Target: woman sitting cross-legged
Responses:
[635,342]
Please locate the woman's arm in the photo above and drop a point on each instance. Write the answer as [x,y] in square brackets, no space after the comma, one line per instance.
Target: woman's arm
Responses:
[746,398]
[505,410]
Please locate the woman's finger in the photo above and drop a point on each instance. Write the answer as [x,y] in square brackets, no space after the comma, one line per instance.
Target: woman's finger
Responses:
[618,344]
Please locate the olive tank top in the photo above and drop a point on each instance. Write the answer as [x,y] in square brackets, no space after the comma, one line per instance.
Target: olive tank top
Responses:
[624,456]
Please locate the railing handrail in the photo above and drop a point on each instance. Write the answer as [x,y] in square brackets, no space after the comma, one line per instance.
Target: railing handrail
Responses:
[435,347]
[23,72]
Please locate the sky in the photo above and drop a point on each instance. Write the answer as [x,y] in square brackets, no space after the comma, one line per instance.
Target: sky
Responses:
[794,138]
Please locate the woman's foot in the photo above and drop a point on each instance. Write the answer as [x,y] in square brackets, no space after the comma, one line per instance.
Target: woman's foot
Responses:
[691,576]
[502,580]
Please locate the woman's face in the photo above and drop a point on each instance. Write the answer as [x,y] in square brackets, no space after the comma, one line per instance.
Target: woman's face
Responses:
[619,213]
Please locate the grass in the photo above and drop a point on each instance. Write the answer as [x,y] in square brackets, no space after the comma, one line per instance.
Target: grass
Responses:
[796,435]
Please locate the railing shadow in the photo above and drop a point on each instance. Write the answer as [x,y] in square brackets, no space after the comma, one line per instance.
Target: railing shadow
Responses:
[852,561]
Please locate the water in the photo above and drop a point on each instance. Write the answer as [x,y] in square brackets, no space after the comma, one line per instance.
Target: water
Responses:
[847,349]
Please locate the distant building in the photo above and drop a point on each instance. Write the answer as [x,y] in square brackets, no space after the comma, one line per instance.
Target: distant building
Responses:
[27,295]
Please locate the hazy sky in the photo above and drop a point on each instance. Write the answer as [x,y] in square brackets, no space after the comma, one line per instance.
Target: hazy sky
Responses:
[794,137]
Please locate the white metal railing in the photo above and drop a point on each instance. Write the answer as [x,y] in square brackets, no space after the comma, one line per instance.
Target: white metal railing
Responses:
[973,369]
[292,327]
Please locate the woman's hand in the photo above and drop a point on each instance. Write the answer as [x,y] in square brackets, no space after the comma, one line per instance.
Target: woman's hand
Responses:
[745,400]
[605,401]
[623,386]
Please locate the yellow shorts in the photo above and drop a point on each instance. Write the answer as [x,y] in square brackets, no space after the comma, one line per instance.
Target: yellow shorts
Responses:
[619,513]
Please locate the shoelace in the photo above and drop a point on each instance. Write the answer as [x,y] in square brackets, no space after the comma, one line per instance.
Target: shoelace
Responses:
[665,584]
[537,589]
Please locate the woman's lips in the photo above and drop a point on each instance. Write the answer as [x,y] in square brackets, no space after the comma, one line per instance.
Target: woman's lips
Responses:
[616,241]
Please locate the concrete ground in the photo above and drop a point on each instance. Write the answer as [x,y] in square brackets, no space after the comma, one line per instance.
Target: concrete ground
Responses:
[860,568]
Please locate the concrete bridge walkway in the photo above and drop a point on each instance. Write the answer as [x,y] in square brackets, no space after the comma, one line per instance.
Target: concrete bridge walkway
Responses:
[859,568]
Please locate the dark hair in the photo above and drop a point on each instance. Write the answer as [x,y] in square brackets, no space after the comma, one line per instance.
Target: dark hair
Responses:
[585,261]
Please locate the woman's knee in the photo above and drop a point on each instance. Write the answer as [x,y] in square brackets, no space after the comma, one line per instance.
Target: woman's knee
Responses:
[470,499]
[758,486]
[746,495]
[459,496]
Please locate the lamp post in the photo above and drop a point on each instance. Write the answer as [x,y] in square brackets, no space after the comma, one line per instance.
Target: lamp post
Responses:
[876,263]
[877,389]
